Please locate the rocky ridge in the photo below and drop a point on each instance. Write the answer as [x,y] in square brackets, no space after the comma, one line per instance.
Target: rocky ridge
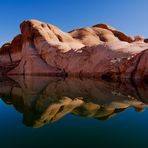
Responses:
[97,51]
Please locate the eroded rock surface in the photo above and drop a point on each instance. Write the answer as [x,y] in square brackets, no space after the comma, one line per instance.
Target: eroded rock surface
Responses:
[97,51]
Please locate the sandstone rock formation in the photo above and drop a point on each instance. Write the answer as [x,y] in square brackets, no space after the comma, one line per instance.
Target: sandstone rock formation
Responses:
[43,100]
[98,51]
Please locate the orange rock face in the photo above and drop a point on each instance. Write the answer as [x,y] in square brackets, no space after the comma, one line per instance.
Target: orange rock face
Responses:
[98,51]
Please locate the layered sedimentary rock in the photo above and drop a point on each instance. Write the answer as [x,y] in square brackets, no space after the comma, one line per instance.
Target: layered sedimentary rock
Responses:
[43,100]
[97,51]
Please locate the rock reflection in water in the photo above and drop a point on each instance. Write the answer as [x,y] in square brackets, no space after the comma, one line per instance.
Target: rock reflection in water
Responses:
[44,100]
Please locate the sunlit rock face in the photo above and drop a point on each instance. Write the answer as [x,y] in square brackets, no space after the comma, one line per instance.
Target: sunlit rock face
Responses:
[97,51]
[43,100]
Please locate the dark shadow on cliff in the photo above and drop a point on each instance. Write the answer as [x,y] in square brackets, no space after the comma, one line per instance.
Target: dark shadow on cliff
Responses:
[44,100]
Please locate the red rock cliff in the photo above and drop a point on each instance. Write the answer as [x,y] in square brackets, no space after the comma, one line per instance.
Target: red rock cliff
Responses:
[98,51]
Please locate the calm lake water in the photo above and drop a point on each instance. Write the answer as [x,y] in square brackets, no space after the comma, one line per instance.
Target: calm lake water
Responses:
[72,113]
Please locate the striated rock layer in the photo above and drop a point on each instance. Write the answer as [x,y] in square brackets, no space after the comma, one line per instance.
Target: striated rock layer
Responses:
[97,51]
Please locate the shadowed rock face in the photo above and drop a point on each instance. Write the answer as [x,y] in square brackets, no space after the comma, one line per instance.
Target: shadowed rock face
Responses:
[97,51]
[43,100]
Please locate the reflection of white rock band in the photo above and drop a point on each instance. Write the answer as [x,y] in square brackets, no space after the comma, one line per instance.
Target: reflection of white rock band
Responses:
[44,100]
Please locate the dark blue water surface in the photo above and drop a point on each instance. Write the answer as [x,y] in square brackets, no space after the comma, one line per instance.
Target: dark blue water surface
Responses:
[106,115]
